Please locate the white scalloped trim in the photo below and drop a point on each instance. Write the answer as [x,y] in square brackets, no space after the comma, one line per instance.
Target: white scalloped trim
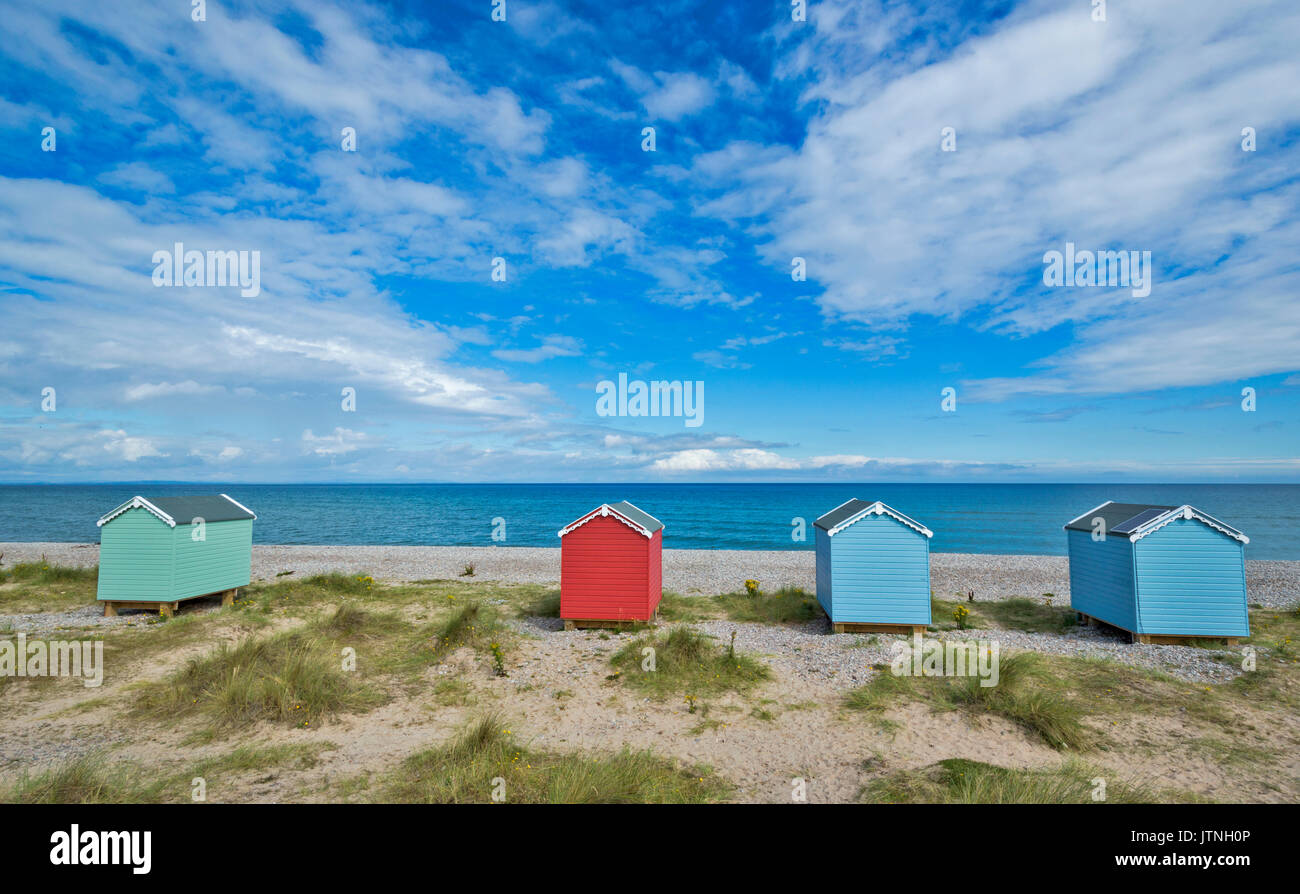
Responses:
[878,508]
[1188,513]
[140,503]
[604,511]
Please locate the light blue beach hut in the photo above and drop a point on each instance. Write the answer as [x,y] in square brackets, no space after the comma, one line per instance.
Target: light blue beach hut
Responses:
[155,552]
[1159,571]
[873,568]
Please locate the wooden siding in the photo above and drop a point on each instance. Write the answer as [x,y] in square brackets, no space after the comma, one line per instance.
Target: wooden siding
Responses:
[656,571]
[142,559]
[1191,581]
[1101,579]
[135,558]
[222,561]
[880,573]
[605,572]
[824,570]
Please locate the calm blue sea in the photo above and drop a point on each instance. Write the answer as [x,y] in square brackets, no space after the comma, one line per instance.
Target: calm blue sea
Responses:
[965,518]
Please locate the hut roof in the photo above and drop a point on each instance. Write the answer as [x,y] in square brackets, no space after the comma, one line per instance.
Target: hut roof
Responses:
[183,510]
[855,510]
[1136,520]
[638,520]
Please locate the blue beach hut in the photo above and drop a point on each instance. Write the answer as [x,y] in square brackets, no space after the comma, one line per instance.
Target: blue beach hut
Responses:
[1159,571]
[873,568]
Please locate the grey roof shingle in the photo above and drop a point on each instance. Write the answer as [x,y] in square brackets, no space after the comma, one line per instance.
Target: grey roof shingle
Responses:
[644,519]
[840,513]
[209,507]
[1115,514]
[184,509]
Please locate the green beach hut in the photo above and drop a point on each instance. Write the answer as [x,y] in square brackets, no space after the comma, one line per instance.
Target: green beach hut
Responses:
[156,552]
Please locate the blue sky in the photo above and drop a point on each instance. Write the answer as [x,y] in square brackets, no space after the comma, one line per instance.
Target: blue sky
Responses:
[774,139]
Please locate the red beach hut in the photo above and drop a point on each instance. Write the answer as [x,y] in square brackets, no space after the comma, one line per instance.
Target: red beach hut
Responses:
[611,567]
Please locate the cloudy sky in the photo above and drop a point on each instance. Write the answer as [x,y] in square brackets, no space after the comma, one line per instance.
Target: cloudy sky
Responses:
[524,140]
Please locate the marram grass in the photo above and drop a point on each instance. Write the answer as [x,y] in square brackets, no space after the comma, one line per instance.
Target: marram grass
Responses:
[486,760]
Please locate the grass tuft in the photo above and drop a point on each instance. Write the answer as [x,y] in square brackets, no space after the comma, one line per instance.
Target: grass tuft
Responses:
[961,781]
[1017,696]
[686,661]
[463,771]
[88,779]
[288,678]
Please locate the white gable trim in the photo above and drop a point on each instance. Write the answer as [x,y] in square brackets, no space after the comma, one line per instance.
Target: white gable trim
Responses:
[604,511]
[878,508]
[139,503]
[241,506]
[1188,513]
[1088,513]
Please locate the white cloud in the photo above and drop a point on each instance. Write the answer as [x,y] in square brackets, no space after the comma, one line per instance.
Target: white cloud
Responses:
[147,391]
[667,96]
[339,442]
[1126,136]
[109,445]
[139,177]
[551,346]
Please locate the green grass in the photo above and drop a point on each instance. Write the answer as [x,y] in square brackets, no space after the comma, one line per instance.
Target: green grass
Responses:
[88,779]
[789,605]
[288,594]
[96,778]
[288,678]
[1018,613]
[349,620]
[1022,695]
[44,573]
[1034,616]
[675,607]
[544,605]
[686,662]
[474,624]
[463,772]
[883,691]
[40,587]
[961,781]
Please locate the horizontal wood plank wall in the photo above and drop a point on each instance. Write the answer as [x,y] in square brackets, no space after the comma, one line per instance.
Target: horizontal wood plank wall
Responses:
[136,558]
[221,561]
[880,573]
[604,571]
[655,571]
[1101,579]
[824,570]
[1191,580]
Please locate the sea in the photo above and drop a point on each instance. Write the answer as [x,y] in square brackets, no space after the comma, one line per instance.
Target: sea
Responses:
[1023,519]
